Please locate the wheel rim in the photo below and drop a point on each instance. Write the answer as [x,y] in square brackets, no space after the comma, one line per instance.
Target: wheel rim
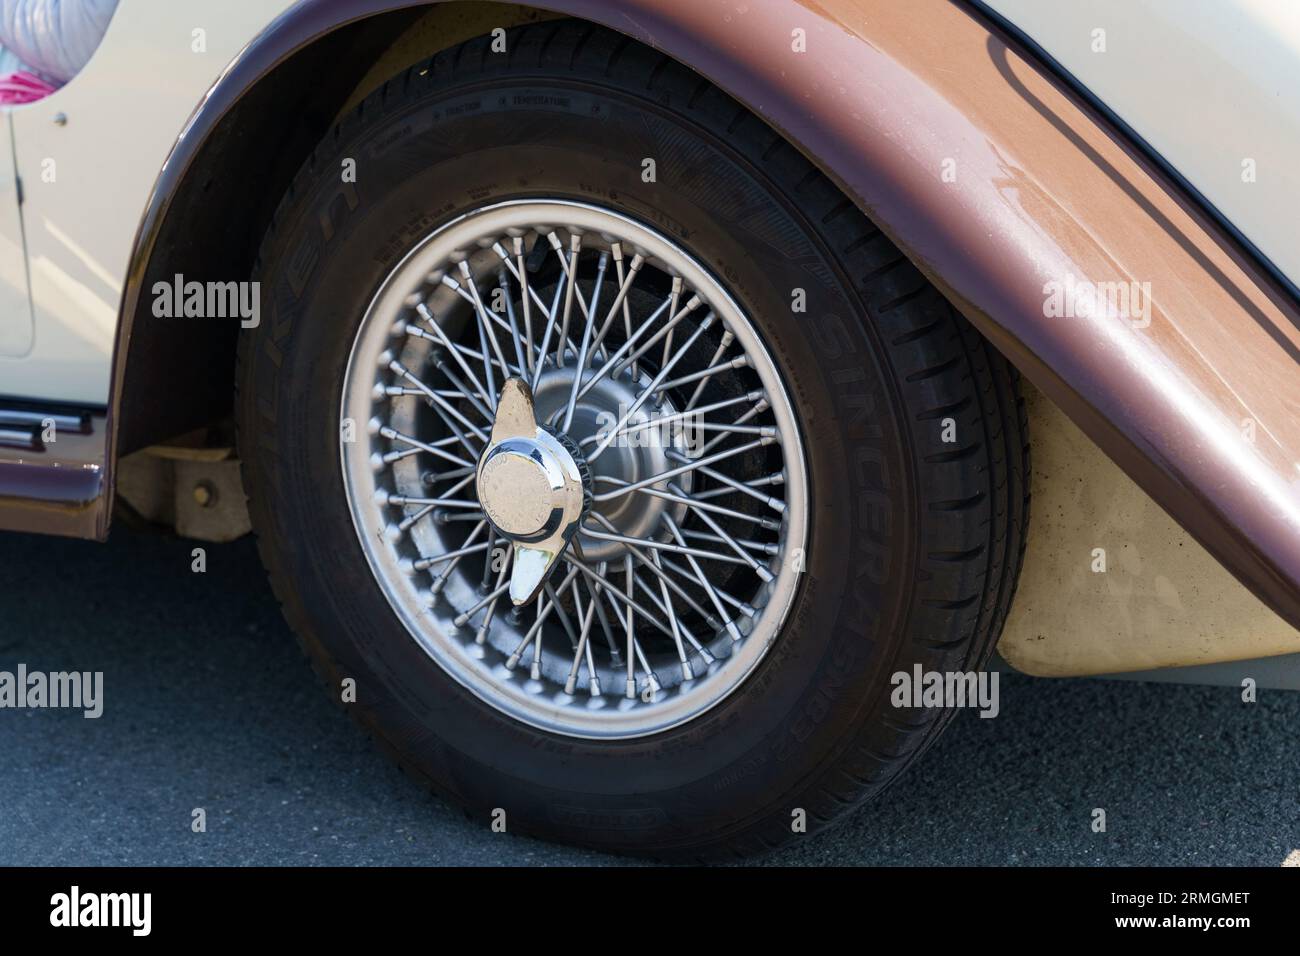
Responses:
[675,382]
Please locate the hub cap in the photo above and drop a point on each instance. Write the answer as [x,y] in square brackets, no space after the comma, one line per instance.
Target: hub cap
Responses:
[534,488]
[574,469]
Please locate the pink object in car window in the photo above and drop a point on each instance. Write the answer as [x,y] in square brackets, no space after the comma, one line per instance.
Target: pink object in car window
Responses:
[23,87]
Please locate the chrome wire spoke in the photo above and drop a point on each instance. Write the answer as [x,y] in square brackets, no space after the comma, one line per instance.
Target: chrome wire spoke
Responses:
[662,420]
[567,422]
[765,548]
[571,276]
[441,406]
[485,322]
[656,387]
[776,504]
[528,297]
[650,389]
[627,488]
[634,550]
[625,597]
[462,390]
[436,502]
[616,656]
[659,546]
[521,275]
[704,374]
[748,416]
[463,618]
[625,282]
[696,504]
[452,349]
[429,509]
[764,482]
[531,635]
[745,609]
[731,542]
[583,650]
[552,316]
[569,630]
[723,345]
[521,362]
[393,456]
[445,571]
[627,313]
[675,319]
[667,607]
[480,636]
[621,357]
[680,629]
[490,363]
[456,555]
[702,578]
[394,435]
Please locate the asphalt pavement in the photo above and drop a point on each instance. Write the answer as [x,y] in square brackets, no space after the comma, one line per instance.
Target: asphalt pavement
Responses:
[209,704]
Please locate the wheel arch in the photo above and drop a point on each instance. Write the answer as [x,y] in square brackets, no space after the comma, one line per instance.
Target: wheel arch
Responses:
[1042,188]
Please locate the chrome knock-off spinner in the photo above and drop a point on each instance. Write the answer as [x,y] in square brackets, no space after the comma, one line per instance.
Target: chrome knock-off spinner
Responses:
[535,490]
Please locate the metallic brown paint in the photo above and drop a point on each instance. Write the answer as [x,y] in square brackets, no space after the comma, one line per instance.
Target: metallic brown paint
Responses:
[888,91]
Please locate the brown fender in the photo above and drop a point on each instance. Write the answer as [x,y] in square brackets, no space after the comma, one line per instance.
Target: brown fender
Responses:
[1041,189]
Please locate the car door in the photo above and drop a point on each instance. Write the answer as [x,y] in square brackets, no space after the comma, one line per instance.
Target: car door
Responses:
[15,300]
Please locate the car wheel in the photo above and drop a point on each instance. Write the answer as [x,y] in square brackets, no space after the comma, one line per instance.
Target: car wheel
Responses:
[789,468]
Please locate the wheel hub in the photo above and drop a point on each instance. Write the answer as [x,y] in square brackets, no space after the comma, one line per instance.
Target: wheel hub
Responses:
[638,456]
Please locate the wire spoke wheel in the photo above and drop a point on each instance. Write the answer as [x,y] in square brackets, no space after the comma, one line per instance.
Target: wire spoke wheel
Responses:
[680,571]
[619,503]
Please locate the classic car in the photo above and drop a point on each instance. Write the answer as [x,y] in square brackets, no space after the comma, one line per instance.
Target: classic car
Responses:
[638,403]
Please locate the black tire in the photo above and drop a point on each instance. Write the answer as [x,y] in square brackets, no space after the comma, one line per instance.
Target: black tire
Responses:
[915,543]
